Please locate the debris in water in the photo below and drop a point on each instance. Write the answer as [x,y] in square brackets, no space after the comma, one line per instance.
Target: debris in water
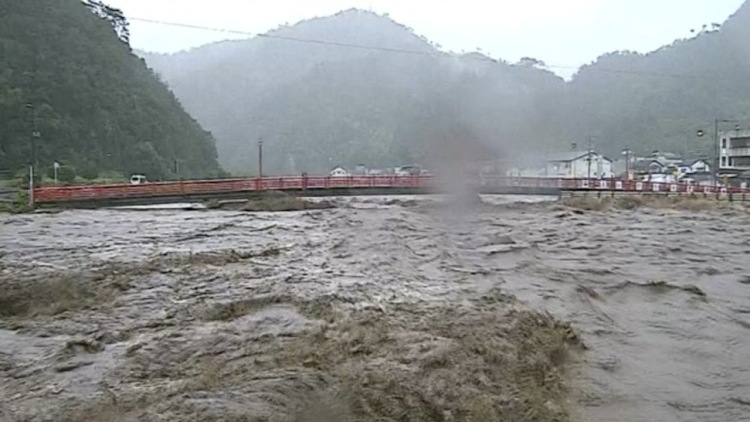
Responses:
[588,291]
[271,202]
[662,286]
[403,203]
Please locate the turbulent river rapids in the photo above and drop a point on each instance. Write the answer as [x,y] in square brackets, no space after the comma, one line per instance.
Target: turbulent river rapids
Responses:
[381,309]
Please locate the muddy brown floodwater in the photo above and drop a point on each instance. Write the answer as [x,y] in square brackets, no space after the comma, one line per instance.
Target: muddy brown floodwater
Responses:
[382,309]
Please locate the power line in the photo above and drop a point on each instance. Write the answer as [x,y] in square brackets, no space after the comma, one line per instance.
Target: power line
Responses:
[189,26]
[295,39]
[399,50]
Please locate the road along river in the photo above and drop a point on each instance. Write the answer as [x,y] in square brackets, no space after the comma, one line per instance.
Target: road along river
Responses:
[431,312]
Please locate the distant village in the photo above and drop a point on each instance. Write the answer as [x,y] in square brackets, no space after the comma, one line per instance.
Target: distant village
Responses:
[662,167]
[659,166]
[362,170]
[733,162]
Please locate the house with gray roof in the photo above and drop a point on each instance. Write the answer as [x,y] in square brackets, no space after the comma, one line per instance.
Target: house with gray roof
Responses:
[578,165]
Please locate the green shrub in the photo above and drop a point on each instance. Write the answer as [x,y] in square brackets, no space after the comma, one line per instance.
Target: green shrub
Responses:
[66,174]
[88,172]
[111,176]
[19,205]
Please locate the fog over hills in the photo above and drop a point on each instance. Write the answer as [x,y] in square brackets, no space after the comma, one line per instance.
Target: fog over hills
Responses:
[358,87]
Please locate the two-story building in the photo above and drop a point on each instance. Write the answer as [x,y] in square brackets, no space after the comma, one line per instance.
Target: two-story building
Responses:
[578,165]
[734,152]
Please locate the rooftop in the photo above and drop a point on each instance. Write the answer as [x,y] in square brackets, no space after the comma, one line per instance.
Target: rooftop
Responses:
[742,133]
[570,156]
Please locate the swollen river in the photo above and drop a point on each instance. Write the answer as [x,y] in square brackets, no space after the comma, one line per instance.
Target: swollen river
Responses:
[660,298]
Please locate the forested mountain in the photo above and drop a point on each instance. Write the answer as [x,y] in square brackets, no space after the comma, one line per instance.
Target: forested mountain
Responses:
[66,70]
[659,100]
[317,103]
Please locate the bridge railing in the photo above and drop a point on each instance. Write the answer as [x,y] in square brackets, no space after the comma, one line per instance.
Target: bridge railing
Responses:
[655,187]
[124,190]
[186,188]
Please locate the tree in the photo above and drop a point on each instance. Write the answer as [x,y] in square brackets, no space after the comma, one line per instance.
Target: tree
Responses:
[531,62]
[66,174]
[112,15]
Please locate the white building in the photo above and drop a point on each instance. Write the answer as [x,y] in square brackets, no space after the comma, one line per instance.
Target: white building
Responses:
[735,150]
[339,172]
[696,166]
[667,159]
[578,165]
[409,170]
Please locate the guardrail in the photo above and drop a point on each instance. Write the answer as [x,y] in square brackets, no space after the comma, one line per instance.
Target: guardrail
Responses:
[655,187]
[187,188]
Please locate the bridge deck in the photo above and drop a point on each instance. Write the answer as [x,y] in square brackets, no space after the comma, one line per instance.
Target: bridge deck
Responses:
[200,190]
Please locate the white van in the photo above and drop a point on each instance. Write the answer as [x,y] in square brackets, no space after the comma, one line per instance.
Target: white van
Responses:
[137,179]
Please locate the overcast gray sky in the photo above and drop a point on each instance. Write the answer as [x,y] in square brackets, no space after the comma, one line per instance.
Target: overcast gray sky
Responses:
[560,32]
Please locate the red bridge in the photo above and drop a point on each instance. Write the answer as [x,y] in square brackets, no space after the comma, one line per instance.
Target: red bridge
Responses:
[199,190]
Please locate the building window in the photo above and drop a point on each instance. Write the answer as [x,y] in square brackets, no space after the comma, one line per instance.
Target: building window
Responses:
[723,161]
[723,142]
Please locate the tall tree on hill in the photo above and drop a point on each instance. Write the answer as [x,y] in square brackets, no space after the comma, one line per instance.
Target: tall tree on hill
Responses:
[112,15]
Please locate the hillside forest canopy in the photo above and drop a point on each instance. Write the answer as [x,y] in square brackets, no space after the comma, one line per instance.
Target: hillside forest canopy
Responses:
[69,76]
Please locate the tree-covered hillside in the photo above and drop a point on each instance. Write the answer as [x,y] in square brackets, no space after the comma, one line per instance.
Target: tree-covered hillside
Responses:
[319,103]
[67,71]
[660,99]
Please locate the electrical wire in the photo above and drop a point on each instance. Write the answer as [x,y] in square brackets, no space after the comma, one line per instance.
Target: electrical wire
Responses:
[400,51]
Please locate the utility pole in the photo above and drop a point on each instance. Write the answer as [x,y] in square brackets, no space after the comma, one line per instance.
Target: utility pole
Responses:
[260,158]
[627,152]
[32,165]
[627,164]
[591,141]
[717,148]
[31,188]
[176,168]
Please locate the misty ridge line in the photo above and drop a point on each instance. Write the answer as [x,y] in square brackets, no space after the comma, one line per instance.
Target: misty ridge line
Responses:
[437,54]
[383,96]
